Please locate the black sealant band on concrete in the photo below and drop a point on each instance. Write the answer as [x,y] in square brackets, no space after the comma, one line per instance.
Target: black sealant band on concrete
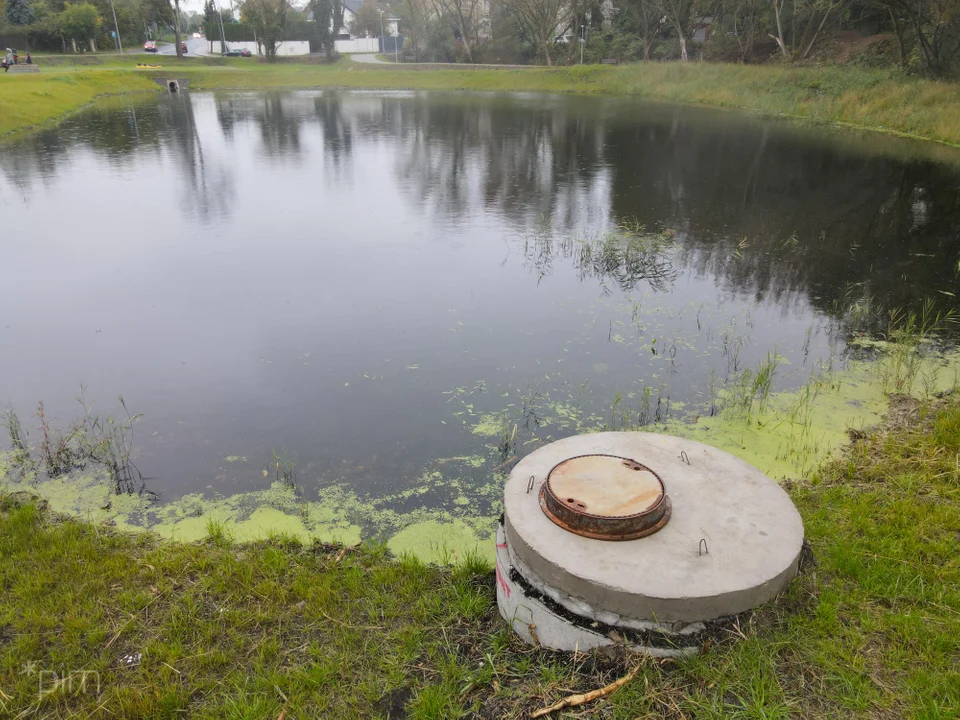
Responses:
[647,638]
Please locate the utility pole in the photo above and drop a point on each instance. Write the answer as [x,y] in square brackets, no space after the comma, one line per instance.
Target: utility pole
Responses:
[116,27]
[223,39]
[583,41]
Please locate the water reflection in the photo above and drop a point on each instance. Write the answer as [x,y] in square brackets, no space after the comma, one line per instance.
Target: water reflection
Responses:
[769,211]
[319,269]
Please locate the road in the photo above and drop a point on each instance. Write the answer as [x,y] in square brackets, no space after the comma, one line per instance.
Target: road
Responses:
[194,47]
[367,58]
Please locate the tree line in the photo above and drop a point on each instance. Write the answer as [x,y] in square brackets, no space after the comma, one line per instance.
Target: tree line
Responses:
[91,25]
[921,36]
[916,35]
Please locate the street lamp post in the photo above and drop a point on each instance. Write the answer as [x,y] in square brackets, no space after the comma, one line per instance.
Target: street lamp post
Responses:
[383,45]
[583,41]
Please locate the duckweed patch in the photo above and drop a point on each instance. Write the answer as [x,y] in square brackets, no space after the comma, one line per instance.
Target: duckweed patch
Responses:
[444,543]
[450,509]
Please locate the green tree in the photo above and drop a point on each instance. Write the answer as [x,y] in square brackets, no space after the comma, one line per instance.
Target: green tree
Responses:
[211,25]
[18,12]
[366,21]
[323,18]
[268,18]
[79,22]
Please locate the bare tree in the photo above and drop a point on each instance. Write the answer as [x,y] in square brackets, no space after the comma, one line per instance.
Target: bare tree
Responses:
[935,25]
[821,9]
[679,13]
[747,16]
[543,21]
[649,19]
[466,17]
[366,21]
[415,20]
[779,37]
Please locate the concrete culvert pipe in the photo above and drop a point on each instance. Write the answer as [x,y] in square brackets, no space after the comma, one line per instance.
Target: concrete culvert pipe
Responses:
[650,540]
[173,86]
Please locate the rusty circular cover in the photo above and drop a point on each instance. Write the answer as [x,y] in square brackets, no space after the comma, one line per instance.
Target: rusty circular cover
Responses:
[605,497]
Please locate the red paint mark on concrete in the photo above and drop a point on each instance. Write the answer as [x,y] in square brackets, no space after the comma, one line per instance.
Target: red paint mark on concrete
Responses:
[501,581]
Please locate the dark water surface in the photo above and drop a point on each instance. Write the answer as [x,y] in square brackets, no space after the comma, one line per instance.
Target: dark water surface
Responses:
[359,280]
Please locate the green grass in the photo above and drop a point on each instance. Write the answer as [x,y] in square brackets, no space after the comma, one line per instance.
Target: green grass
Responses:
[879,100]
[32,100]
[872,629]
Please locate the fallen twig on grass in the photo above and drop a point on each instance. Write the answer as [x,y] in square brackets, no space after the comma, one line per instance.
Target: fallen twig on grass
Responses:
[352,627]
[574,700]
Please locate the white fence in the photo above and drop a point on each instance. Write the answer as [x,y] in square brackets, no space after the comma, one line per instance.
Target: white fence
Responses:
[359,45]
[287,47]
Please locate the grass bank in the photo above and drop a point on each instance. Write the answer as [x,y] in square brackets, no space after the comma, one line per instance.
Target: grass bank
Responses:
[99,624]
[32,100]
[884,101]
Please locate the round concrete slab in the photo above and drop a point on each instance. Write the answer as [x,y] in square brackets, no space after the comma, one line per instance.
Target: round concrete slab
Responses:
[733,541]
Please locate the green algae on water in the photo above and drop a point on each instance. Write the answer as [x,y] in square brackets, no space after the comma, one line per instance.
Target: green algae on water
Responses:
[439,542]
[449,508]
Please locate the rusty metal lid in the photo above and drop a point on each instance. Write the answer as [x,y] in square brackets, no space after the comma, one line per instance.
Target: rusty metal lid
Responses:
[605,497]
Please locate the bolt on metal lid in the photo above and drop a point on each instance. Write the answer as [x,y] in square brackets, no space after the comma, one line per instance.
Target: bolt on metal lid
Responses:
[605,497]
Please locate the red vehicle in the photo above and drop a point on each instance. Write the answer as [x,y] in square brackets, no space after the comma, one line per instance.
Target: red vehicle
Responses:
[150,46]
[183,47]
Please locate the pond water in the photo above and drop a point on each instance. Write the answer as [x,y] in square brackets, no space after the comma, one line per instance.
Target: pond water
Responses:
[397,293]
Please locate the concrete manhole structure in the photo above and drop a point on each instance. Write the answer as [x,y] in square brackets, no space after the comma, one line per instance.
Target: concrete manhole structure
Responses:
[641,539]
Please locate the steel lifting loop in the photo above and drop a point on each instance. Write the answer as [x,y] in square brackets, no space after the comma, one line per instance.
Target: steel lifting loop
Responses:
[702,548]
[684,457]
[530,484]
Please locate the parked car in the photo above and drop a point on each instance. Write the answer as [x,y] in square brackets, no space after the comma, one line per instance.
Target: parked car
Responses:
[150,46]
[183,47]
[238,52]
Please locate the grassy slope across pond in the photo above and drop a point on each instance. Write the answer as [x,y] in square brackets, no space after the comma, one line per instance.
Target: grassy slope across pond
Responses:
[243,631]
[31,100]
[848,96]
[879,100]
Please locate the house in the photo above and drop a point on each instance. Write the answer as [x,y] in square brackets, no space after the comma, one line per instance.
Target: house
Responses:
[391,23]
[702,27]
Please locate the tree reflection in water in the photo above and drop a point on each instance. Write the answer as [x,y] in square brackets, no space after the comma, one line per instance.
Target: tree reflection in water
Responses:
[772,212]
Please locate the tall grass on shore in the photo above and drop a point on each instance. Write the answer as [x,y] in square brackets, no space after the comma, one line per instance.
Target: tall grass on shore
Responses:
[911,339]
[103,441]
